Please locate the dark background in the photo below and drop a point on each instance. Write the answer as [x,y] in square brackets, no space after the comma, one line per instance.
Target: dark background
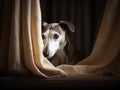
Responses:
[86,15]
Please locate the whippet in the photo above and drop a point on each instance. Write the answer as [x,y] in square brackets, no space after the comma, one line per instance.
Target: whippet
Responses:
[58,46]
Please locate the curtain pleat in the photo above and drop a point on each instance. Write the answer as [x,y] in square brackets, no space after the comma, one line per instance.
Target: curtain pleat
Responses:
[32,41]
[14,62]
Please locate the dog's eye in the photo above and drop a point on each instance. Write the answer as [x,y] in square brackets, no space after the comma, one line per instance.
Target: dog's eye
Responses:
[43,37]
[56,36]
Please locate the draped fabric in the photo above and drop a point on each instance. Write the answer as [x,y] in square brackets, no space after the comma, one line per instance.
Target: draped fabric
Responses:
[21,43]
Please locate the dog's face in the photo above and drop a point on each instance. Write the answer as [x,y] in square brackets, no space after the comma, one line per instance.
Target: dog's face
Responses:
[53,36]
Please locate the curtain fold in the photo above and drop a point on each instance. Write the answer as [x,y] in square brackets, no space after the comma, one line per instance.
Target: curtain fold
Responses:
[23,53]
[14,62]
[21,43]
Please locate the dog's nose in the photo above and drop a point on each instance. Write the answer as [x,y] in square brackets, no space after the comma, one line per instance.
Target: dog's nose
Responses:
[46,54]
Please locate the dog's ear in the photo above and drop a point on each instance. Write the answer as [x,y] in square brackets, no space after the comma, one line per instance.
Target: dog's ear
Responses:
[44,24]
[67,26]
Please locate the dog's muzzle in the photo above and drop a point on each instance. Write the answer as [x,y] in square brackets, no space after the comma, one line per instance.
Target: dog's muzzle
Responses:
[46,54]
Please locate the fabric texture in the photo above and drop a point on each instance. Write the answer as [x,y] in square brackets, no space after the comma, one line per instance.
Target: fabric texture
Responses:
[21,43]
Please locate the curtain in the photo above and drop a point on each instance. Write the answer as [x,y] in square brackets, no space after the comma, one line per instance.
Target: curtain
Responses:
[20,40]
[21,43]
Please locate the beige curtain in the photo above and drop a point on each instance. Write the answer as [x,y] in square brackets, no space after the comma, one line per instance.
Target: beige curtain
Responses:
[21,43]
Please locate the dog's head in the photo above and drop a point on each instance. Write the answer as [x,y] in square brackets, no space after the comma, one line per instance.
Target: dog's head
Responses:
[54,36]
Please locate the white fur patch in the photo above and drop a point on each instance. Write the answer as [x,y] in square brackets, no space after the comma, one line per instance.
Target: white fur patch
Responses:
[51,45]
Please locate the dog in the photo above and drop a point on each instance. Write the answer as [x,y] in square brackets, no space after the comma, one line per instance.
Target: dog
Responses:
[58,46]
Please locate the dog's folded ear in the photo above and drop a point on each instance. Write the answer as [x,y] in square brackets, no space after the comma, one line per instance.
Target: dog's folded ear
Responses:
[44,24]
[66,25]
